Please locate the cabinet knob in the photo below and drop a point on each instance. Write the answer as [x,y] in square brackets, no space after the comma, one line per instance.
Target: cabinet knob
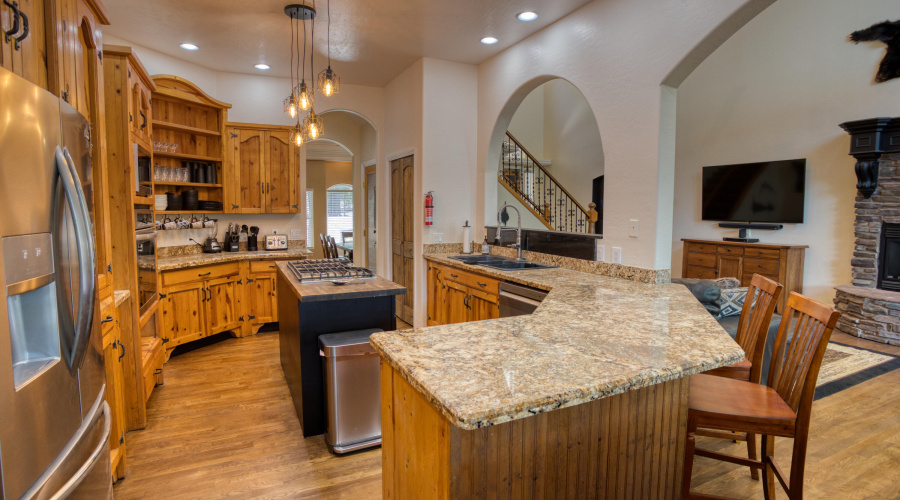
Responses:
[728,249]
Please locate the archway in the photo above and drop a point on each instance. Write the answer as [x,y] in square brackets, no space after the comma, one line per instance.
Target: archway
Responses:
[545,159]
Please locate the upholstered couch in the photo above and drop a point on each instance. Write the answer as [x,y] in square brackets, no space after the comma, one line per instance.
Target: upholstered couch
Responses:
[708,292]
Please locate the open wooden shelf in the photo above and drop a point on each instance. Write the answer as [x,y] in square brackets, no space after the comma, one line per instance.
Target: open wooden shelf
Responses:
[186,129]
[144,200]
[183,156]
[187,184]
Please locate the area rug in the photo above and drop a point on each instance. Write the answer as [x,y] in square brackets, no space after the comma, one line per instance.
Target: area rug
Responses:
[845,366]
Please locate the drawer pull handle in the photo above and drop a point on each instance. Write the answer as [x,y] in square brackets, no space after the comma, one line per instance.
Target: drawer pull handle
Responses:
[481,284]
[453,276]
[204,274]
[728,249]
[158,371]
[760,266]
[107,320]
[123,351]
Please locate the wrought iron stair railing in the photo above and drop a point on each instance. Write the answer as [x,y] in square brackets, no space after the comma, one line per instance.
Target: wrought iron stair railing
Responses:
[524,176]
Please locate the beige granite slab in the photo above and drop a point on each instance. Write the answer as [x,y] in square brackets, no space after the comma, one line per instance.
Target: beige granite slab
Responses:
[203,259]
[592,337]
[121,296]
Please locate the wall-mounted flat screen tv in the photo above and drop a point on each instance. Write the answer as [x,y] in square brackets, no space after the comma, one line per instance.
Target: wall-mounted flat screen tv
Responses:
[771,192]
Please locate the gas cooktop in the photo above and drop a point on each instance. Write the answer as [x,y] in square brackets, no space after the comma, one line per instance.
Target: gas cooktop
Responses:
[334,270]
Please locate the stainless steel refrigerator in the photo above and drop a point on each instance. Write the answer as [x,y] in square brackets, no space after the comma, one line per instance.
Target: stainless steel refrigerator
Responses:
[54,422]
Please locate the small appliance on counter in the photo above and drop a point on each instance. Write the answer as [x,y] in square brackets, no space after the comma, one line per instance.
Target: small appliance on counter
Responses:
[276,241]
[253,239]
[232,239]
[211,245]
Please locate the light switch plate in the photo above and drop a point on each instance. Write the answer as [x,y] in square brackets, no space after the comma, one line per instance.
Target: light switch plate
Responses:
[296,234]
[438,238]
[601,252]
[617,255]
[633,228]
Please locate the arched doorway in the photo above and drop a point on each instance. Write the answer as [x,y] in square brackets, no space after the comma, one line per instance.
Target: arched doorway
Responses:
[546,159]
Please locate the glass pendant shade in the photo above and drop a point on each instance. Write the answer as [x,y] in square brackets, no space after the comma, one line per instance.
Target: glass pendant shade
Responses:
[313,125]
[290,106]
[305,98]
[329,82]
[297,135]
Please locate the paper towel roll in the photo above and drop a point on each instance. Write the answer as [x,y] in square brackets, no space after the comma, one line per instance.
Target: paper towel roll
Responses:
[467,240]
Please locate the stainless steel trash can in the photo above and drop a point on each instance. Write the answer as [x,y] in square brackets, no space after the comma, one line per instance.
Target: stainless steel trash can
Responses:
[352,391]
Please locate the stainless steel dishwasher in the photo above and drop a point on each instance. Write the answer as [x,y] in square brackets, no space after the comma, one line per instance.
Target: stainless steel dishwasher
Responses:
[352,391]
[517,300]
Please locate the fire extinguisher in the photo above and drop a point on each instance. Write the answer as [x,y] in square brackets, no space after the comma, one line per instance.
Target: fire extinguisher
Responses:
[429,209]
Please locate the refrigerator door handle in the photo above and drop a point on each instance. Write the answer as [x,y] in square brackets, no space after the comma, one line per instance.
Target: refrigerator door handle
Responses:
[86,255]
[100,409]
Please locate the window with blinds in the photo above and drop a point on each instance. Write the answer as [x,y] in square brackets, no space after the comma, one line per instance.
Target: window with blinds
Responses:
[310,230]
[339,206]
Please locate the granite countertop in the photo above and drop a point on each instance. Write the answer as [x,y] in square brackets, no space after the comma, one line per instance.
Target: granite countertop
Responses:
[592,337]
[324,290]
[202,259]
[121,296]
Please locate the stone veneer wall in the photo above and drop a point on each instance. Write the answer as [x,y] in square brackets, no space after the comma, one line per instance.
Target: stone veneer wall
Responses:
[884,206]
[869,313]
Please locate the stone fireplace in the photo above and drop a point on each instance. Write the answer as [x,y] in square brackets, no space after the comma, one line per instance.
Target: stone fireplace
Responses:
[870,305]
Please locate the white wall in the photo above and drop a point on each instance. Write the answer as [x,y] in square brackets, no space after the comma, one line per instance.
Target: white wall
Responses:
[616,53]
[527,124]
[778,90]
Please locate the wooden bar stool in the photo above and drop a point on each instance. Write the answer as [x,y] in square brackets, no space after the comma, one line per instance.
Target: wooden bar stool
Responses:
[781,408]
[753,328]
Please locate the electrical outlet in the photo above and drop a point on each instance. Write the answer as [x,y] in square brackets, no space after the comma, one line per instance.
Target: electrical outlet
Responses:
[296,234]
[617,255]
[438,238]
[633,228]
[601,252]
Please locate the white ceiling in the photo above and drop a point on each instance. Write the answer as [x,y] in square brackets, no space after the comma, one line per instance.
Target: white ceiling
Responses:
[371,41]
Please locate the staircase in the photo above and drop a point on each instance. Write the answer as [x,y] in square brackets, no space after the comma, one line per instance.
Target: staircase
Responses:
[533,186]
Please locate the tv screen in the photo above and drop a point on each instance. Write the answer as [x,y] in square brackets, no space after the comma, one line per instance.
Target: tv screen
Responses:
[770,192]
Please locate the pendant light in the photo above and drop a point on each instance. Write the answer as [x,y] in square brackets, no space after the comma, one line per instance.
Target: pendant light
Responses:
[301,96]
[297,135]
[313,125]
[305,96]
[329,82]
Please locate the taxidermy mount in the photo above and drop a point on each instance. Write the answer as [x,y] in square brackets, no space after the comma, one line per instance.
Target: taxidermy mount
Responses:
[889,33]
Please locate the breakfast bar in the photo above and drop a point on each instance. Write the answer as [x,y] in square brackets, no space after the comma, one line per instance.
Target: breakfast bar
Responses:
[587,395]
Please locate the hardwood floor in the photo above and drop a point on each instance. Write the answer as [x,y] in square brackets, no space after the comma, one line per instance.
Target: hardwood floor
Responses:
[223,426]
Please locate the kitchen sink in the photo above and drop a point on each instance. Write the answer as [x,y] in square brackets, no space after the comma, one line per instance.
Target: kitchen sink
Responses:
[511,265]
[480,259]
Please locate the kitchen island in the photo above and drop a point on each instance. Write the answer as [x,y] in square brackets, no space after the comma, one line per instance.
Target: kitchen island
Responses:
[310,309]
[587,395]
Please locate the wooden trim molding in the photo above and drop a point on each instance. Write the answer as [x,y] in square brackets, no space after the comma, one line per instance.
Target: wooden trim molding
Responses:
[401,154]
[173,85]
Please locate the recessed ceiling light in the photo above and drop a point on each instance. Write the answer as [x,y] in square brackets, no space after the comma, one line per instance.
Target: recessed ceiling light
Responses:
[189,46]
[527,16]
[488,40]
[261,66]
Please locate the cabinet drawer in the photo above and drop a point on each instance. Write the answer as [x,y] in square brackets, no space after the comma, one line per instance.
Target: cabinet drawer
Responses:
[702,260]
[200,273]
[263,266]
[760,266]
[701,248]
[700,273]
[472,280]
[108,317]
[727,250]
[152,359]
[766,253]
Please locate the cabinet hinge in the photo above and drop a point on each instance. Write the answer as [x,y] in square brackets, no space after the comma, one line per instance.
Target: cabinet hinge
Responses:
[129,73]
[130,118]
[250,280]
[233,135]
[109,268]
[250,318]
[163,295]
[165,340]
[234,207]
[240,282]
[100,55]
[295,207]
[122,439]
[241,318]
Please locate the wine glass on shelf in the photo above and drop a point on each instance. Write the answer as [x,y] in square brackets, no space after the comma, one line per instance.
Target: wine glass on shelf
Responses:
[173,148]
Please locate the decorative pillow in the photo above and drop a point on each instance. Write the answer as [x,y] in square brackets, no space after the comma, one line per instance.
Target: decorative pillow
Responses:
[732,301]
[726,283]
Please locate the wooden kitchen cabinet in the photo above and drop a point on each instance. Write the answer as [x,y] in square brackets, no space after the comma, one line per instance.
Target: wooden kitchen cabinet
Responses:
[25,52]
[261,168]
[457,296]
[716,259]
[262,299]
[222,304]
[182,313]
[115,347]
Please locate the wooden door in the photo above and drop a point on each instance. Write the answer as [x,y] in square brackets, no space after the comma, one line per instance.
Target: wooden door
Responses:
[183,313]
[729,266]
[25,54]
[402,232]
[369,231]
[482,306]
[247,157]
[223,304]
[456,309]
[262,298]
[281,173]
[114,359]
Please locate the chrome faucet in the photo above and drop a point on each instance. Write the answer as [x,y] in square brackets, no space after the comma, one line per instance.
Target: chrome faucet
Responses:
[518,229]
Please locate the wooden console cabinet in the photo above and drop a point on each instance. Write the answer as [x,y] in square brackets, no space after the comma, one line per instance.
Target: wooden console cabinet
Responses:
[705,259]
[457,296]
